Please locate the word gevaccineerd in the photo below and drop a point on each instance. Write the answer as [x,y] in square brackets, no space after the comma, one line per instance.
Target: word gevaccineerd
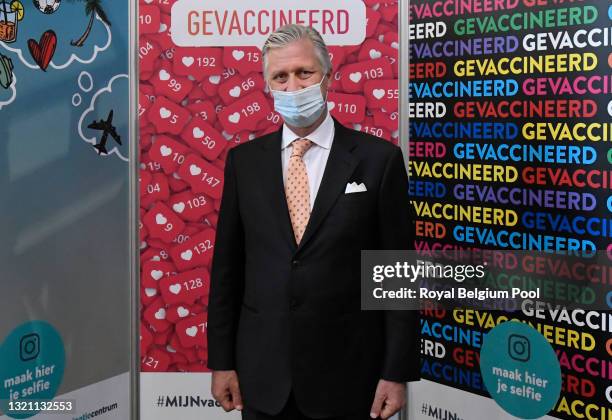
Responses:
[239,23]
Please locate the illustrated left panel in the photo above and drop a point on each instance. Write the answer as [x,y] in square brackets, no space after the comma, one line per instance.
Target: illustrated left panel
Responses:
[66,176]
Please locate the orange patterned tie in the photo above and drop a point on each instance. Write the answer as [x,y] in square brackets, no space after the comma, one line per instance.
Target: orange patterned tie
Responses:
[297,189]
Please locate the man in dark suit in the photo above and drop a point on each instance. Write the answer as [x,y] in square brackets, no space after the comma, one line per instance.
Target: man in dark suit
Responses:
[287,338]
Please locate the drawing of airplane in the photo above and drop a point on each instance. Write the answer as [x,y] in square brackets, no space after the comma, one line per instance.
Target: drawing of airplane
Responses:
[107,128]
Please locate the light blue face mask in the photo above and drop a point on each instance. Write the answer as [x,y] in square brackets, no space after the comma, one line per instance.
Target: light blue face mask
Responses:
[300,108]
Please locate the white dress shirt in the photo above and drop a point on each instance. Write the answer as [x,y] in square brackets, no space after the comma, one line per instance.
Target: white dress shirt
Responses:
[315,158]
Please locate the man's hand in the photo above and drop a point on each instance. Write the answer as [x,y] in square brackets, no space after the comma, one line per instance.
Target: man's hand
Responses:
[226,389]
[390,397]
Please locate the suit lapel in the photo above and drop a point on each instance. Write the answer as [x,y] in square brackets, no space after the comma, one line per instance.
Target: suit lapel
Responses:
[340,165]
[273,185]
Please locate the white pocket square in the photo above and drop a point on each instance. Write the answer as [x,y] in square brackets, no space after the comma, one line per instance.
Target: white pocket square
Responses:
[353,187]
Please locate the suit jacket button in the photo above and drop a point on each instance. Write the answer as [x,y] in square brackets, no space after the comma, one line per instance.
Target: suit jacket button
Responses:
[295,263]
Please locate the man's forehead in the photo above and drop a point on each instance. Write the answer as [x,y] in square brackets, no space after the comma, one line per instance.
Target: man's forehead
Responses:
[300,48]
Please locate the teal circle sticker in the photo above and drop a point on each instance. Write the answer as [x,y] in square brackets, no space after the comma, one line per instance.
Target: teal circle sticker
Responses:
[32,360]
[520,370]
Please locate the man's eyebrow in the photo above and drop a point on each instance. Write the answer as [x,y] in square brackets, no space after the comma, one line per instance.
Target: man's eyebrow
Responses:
[295,70]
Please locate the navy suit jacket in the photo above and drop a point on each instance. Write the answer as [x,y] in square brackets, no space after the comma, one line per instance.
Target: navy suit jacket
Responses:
[288,316]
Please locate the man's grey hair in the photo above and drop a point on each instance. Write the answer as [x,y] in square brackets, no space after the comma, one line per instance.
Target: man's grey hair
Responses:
[290,33]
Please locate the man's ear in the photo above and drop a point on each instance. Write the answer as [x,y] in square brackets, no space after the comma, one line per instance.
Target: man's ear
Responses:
[266,83]
[328,78]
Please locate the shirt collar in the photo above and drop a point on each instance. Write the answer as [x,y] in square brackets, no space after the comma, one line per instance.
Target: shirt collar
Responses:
[322,136]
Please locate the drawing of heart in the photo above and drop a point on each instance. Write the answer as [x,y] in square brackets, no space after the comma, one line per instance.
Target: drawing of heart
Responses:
[43,50]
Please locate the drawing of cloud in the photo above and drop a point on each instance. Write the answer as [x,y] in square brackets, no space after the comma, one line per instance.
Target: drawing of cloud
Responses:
[68,22]
[110,97]
[7,96]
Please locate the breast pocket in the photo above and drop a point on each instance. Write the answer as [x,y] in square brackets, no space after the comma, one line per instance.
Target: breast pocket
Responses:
[352,207]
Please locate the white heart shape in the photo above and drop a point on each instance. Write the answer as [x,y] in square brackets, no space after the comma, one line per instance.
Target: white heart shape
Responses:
[164,75]
[150,292]
[170,349]
[156,258]
[160,314]
[227,135]
[357,127]
[187,255]
[251,136]
[374,54]
[164,112]
[214,79]
[175,289]
[378,93]
[191,331]
[163,28]
[157,274]
[187,61]
[331,106]
[160,219]
[395,45]
[381,38]
[179,207]
[182,312]
[235,92]
[238,55]
[165,150]
[234,118]
[355,77]
[198,133]
[195,170]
